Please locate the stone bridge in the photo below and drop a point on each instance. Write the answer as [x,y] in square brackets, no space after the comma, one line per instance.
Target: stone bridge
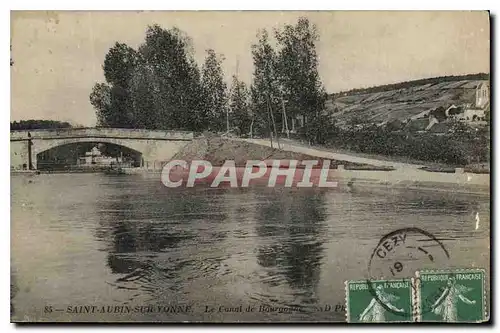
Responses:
[155,147]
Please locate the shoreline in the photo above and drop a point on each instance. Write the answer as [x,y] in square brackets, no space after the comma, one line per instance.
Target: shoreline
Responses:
[352,179]
[348,170]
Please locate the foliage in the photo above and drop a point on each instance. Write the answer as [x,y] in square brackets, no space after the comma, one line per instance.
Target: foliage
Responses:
[241,117]
[33,124]
[168,55]
[287,77]
[297,66]
[319,129]
[265,90]
[214,92]
[158,86]
[458,148]
[112,100]
[100,98]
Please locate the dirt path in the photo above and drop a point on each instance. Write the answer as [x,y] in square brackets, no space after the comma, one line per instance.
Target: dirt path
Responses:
[217,150]
[290,145]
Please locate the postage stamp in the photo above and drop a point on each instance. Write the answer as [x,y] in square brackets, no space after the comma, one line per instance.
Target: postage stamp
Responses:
[380,301]
[451,296]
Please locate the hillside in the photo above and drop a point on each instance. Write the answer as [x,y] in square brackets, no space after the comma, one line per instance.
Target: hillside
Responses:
[405,100]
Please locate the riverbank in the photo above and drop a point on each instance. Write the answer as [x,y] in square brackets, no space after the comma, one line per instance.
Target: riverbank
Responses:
[369,159]
[389,160]
[417,179]
[350,171]
[217,150]
[403,175]
[353,180]
[69,170]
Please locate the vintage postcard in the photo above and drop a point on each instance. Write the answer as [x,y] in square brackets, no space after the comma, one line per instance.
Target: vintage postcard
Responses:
[250,166]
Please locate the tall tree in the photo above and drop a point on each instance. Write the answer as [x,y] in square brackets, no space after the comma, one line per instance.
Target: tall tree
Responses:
[100,98]
[119,65]
[240,114]
[297,67]
[214,91]
[169,54]
[265,91]
[146,98]
[157,86]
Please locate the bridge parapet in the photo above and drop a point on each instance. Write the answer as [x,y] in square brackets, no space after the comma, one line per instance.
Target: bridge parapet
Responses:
[118,133]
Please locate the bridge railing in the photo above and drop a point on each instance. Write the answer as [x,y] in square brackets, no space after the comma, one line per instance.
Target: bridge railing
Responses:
[103,132]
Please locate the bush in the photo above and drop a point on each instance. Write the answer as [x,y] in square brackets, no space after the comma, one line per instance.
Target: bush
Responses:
[455,149]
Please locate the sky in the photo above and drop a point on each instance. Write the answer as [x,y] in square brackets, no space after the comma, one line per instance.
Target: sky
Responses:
[58,56]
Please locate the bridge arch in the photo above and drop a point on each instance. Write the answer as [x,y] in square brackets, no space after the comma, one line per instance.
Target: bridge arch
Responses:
[40,146]
[54,153]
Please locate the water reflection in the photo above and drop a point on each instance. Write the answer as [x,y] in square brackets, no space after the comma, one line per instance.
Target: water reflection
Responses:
[291,225]
[142,237]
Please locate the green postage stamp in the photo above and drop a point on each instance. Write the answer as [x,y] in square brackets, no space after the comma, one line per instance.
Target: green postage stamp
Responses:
[379,301]
[456,295]
[451,296]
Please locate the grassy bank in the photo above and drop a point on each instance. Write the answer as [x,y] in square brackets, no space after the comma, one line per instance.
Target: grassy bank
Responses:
[217,150]
[463,147]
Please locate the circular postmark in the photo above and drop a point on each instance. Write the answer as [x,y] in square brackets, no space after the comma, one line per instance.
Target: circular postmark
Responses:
[397,256]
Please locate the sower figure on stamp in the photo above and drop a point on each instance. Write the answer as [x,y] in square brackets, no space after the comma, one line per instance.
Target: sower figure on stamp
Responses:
[446,304]
[375,311]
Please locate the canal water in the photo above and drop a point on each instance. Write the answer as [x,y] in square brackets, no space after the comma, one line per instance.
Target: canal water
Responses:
[80,242]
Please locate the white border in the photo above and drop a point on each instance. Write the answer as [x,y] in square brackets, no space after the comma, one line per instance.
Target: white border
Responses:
[252,5]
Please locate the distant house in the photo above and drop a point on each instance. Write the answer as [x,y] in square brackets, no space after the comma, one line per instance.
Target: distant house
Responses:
[474,109]
[452,111]
[473,115]
[482,95]
[467,114]
[94,157]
